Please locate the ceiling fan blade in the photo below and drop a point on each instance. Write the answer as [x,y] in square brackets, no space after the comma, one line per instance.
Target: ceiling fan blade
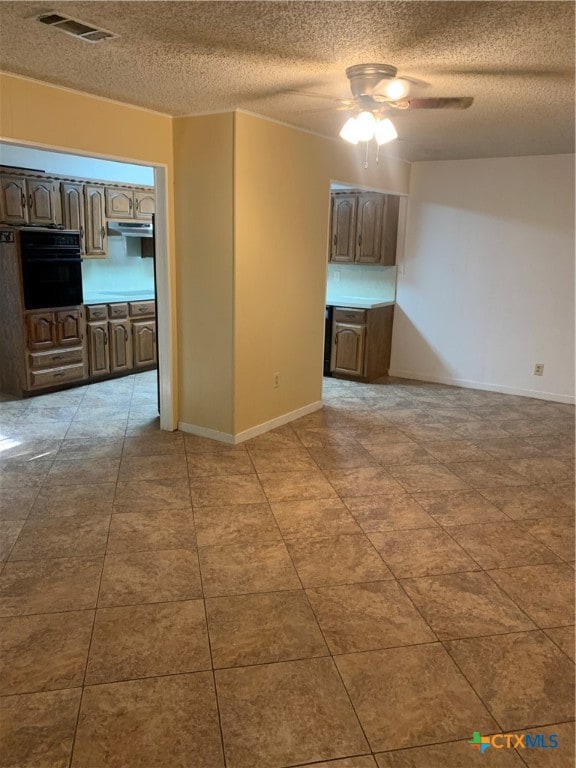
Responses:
[456,102]
[314,95]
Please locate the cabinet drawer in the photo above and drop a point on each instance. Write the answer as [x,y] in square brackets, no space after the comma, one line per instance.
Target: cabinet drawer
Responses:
[54,376]
[97,311]
[116,311]
[141,308]
[343,315]
[57,357]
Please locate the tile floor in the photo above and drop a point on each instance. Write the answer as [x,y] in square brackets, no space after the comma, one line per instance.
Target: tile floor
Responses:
[362,588]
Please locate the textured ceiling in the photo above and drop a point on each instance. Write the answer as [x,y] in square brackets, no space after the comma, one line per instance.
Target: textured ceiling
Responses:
[515,58]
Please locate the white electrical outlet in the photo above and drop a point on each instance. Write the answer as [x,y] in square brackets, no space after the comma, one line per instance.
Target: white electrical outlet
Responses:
[539,369]
[276,380]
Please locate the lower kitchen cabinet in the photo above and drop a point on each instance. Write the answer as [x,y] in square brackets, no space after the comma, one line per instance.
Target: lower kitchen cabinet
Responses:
[144,335]
[120,347]
[98,354]
[361,343]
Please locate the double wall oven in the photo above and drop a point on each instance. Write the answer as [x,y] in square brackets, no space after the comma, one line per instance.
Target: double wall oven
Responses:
[51,265]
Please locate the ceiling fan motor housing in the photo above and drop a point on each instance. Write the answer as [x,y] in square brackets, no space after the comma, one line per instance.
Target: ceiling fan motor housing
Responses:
[365,77]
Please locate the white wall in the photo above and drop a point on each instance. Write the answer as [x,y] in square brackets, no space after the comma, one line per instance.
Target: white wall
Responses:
[75,165]
[486,286]
[123,270]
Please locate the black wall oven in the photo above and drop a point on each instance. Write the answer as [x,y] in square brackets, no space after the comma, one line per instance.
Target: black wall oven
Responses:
[51,268]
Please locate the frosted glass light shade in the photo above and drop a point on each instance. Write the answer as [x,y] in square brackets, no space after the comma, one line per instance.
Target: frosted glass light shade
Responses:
[349,132]
[396,89]
[384,131]
[365,124]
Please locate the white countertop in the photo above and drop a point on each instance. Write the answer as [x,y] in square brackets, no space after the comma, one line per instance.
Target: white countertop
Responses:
[111,297]
[357,302]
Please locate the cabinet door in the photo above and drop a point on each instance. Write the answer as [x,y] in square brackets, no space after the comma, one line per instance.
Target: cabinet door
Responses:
[119,203]
[41,202]
[368,228]
[144,337]
[348,349]
[343,229]
[69,327]
[73,209]
[389,230]
[121,358]
[144,204]
[13,206]
[96,243]
[98,354]
[41,330]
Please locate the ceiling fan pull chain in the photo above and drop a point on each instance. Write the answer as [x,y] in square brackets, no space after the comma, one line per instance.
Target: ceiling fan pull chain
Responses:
[366,158]
[377,153]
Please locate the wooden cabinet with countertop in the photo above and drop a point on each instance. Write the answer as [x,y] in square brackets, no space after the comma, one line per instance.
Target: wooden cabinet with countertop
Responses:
[121,337]
[361,342]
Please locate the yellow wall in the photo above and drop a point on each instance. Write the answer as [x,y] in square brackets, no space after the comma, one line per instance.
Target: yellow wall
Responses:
[282,195]
[203,154]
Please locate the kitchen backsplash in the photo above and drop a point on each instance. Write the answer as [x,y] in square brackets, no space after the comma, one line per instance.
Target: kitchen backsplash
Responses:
[124,269]
[365,282]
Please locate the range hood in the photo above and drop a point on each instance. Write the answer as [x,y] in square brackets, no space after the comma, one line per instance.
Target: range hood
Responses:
[131,228]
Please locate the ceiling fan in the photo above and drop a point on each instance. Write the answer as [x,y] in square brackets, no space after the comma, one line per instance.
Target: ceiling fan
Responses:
[377,91]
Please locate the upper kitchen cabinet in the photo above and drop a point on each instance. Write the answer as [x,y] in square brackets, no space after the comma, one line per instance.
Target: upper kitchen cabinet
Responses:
[27,201]
[129,203]
[364,228]
[73,209]
[96,241]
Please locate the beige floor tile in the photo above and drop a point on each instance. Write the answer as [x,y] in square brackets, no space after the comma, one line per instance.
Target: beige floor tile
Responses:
[283,436]
[37,729]
[162,467]
[426,477]
[215,464]
[148,641]
[258,629]
[563,491]
[459,507]
[523,679]
[89,429]
[49,586]
[323,437]
[527,502]
[482,430]
[236,524]
[86,449]
[44,652]
[422,552]
[364,617]
[281,459]
[543,470]
[287,713]
[292,486]
[555,446]
[366,761]
[70,500]
[556,533]
[196,444]
[160,722]
[412,696]
[465,605]
[454,754]
[345,559]
[150,577]
[16,503]
[561,757]
[365,481]
[455,450]
[544,592]
[162,529]
[141,495]
[313,517]
[154,445]
[224,490]
[70,472]
[487,474]
[344,456]
[501,545]
[237,569]
[432,431]
[388,513]
[510,448]
[381,437]
[9,532]
[24,474]
[402,453]
[61,537]
[564,639]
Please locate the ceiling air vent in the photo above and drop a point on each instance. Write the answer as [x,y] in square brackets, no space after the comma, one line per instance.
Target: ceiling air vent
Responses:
[76,28]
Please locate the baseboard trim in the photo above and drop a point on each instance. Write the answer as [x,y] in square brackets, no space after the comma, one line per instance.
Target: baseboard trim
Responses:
[247,434]
[468,384]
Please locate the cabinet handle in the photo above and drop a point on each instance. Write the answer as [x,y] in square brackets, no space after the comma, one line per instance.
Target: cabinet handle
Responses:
[136,205]
[125,335]
[130,203]
[105,338]
[23,200]
[142,309]
[102,233]
[30,200]
[57,375]
[56,357]
[360,240]
[81,232]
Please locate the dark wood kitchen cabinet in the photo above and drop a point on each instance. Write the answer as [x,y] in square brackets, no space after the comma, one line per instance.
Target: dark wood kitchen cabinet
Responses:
[27,200]
[361,343]
[120,335]
[364,228]
[144,335]
[118,342]
[98,354]
[130,203]
[73,205]
[96,237]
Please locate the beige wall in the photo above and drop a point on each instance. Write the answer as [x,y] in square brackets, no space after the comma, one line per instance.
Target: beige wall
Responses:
[282,194]
[203,154]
